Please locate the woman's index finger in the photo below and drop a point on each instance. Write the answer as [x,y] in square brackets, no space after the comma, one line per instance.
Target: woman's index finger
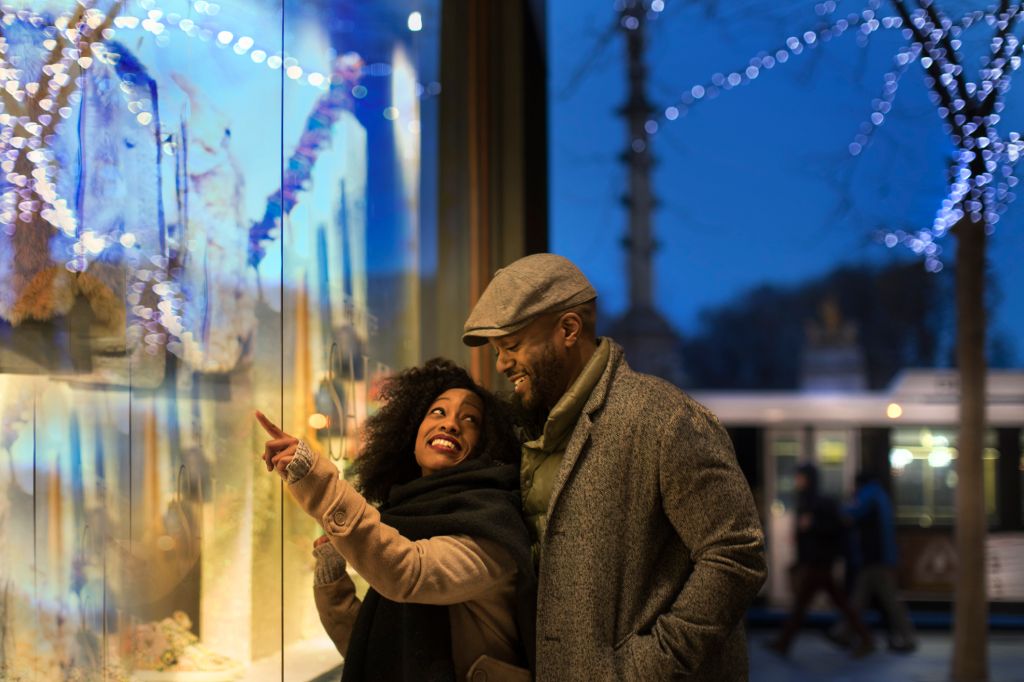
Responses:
[269,426]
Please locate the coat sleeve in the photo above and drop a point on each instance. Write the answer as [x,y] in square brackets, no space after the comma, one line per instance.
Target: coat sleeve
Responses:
[708,502]
[445,569]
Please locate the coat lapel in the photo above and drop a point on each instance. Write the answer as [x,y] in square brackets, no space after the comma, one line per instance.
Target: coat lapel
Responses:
[581,433]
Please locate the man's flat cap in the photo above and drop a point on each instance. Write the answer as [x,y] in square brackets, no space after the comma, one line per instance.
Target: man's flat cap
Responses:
[531,286]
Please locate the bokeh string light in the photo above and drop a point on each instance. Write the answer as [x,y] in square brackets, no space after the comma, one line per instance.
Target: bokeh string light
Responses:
[982,179]
[205,28]
[32,113]
[77,40]
[33,110]
[866,21]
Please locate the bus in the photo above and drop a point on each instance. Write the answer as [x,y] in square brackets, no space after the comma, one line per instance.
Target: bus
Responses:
[906,434]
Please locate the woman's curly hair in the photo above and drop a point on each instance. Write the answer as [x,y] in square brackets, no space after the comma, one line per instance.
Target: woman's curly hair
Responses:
[387,457]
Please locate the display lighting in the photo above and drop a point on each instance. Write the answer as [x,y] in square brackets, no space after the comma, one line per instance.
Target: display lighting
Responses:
[982,182]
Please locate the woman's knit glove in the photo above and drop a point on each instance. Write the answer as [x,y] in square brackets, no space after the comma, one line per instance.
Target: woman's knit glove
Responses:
[330,565]
[301,463]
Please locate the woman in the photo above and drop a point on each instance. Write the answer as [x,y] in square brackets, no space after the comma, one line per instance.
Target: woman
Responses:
[447,555]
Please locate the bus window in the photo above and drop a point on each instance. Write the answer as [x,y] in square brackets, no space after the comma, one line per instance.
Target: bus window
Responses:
[923,464]
[784,447]
[832,450]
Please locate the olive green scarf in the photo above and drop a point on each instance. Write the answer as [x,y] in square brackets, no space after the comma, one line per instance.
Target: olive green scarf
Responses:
[542,456]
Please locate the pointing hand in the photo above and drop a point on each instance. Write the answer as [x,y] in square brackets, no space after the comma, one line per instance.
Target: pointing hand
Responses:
[280,449]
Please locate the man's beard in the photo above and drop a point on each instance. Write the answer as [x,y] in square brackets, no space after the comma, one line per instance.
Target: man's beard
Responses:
[546,387]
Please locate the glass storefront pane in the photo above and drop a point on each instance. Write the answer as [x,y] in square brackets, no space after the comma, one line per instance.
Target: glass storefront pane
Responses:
[206,208]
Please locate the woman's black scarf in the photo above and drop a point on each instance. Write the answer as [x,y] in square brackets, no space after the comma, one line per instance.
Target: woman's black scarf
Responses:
[392,641]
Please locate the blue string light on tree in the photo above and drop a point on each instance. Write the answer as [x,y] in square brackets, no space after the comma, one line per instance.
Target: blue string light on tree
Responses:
[866,22]
[982,179]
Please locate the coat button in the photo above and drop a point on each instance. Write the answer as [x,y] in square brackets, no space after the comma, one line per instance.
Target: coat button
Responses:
[339,517]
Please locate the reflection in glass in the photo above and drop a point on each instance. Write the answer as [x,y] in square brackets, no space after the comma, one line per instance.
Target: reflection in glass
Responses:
[204,210]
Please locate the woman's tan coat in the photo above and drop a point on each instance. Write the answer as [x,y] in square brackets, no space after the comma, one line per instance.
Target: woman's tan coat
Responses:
[474,578]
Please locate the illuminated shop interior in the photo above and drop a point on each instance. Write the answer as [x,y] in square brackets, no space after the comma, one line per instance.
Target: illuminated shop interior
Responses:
[209,208]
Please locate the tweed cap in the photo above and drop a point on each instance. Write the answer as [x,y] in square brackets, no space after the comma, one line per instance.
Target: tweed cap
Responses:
[531,286]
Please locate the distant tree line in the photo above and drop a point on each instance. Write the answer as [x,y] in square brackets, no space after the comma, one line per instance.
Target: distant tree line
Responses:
[904,316]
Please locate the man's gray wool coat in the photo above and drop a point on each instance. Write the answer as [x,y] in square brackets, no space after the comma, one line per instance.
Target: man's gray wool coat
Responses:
[654,549]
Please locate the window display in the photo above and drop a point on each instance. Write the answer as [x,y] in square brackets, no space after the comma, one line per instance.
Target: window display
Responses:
[206,208]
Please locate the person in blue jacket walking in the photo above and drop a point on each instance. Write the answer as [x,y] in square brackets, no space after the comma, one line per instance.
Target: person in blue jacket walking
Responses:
[874,540]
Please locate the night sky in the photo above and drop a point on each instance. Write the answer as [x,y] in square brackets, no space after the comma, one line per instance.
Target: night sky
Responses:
[757,185]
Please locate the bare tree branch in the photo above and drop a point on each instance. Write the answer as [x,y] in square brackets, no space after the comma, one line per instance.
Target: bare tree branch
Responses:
[952,56]
[933,69]
[584,67]
[1003,53]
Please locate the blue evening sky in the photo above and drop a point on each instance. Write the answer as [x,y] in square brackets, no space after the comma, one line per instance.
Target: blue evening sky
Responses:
[756,186]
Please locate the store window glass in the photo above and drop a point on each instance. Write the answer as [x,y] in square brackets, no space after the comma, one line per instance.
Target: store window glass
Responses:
[923,463]
[206,208]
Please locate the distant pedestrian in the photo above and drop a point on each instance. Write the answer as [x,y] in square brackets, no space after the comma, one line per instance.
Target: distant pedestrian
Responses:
[874,543]
[819,541]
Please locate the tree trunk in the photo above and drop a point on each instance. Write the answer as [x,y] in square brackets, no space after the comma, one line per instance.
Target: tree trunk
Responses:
[970,610]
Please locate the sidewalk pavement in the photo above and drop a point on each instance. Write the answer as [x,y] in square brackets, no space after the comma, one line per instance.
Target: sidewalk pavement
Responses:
[813,658]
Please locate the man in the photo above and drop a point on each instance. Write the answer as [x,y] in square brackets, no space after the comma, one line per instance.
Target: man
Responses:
[649,544]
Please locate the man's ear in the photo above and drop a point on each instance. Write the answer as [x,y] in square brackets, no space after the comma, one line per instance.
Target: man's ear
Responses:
[571,326]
